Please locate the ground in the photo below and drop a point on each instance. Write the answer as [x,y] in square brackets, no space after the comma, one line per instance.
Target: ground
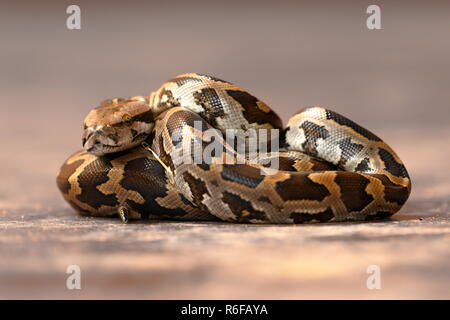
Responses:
[224,261]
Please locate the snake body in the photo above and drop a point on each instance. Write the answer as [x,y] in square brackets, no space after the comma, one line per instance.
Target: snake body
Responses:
[328,167]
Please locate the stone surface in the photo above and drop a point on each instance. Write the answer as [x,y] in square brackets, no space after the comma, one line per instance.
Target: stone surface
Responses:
[224,261]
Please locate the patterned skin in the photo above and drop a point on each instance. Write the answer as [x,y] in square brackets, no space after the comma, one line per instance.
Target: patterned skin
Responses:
[329,168]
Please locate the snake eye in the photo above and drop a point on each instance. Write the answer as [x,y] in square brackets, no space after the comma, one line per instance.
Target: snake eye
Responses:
[126,117]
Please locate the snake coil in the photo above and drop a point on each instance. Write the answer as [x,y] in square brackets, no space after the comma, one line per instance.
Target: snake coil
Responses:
[328,168]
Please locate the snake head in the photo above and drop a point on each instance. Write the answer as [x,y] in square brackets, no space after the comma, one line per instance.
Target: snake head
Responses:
[116,125]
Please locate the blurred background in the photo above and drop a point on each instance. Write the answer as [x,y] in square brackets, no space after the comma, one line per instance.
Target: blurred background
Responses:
[394,81]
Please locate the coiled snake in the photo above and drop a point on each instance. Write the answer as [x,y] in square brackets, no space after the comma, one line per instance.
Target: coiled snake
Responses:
[328,167]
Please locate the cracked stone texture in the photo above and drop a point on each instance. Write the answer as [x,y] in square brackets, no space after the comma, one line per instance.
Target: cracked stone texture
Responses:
[393,81]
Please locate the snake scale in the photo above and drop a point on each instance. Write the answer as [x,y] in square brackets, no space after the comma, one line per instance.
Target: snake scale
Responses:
[328,167]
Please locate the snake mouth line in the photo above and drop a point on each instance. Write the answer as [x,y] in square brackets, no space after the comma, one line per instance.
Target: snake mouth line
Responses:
[106,146]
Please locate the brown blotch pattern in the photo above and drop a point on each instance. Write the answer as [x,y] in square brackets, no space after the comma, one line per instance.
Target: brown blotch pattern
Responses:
[363,166]
[312,133]
[170,100]
[353,193]
[66,171]
[348,150]
[391,165]
[300,187]
[323,216]
[241,208]
[95,174]
[147,177]
[343,121]
[210,102]
[252,112]
[393,192]
[198,189]
[242,174]
[184,117]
